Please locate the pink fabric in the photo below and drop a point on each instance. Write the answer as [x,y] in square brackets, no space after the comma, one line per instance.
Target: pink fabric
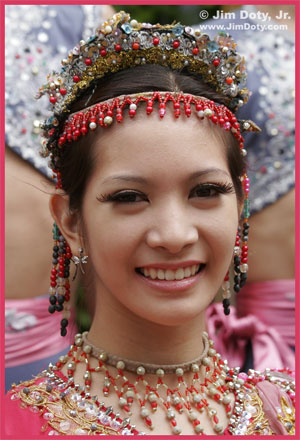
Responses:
[32,333]
[270,396]
[20,422]
[265,314]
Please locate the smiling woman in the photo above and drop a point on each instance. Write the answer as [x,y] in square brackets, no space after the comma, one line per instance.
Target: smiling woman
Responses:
[150,208]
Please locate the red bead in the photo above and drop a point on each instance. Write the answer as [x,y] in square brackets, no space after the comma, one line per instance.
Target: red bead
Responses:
[62,91]
[54,271]
[229,80]
[173,422]
[135,46]
[148,421]
[88,61]
[84,131]
[118,47]
[76,78]
[215,419]
[103,52]
[195,51]
[53,283]
[53,277]
[196,422]
[214,119]
[156,41]
[221,121]
[176,44]
[244,248]
[52,99]
[216,62]
[67,297]
[244,260]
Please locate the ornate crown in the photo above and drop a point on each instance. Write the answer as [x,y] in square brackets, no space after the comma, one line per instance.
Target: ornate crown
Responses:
[121,43]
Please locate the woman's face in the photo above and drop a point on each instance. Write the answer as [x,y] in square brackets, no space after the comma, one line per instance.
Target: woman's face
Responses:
[159,217]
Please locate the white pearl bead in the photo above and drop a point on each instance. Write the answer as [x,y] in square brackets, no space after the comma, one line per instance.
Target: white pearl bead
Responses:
[176,400]
[211,352]
[132,107]
[226,400]
[197,398]
[108,120]
[152,397]
[179,372]
[205,361]
[122,401]
[103,356]
[160,372]
[200,114]
[140,371]
[108,29]
[144,413]
[133,23]
[176,430]
[170,414]
[120,365]
[195,368]
[243,152]
[244,268]
[208,112]
[93,125]
[87,349]
[192,415]
[198,429]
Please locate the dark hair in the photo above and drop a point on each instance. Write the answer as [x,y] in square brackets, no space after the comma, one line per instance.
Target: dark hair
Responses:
[77,161]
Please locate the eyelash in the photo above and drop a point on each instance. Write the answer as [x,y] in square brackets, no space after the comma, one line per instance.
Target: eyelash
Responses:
[129,196]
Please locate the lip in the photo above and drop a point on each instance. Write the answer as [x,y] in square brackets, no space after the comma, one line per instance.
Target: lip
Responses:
[173,266]
[172,285]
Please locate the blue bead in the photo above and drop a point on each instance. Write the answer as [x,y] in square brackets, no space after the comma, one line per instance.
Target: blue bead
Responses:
[127,28]
[212,46]
[178,30]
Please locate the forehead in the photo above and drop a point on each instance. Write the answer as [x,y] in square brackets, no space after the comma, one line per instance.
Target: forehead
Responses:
[149,141]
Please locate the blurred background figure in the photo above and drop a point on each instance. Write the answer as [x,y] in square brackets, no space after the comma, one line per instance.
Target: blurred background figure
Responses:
[261,330]
[37,37]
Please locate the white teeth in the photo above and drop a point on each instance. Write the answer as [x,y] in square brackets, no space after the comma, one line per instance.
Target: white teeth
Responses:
[179,274]
[153,273]
[187,272]
[169,274]
[160,274]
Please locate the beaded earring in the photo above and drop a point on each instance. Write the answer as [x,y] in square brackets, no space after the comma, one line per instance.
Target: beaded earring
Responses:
[240,258]
[59,280]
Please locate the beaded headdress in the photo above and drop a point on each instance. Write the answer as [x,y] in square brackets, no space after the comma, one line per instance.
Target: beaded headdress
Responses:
[121,43]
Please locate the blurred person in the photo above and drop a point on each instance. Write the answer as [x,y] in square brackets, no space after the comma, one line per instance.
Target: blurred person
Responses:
[36,38]
[262,328]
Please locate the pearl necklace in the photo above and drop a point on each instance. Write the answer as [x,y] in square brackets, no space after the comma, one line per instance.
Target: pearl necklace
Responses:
[187,397]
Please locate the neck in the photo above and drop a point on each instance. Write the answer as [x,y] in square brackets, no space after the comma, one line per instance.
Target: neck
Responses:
[118,331]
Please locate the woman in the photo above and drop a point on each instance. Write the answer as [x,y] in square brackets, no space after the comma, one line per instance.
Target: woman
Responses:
[150,209]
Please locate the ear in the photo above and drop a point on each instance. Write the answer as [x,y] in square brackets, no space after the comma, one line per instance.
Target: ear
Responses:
[67,221]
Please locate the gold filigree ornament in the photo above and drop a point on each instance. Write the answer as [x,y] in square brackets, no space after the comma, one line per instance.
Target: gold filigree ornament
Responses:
[287,416]
[258,423]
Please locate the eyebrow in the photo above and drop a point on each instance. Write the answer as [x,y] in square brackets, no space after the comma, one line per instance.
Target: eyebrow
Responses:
[139,179]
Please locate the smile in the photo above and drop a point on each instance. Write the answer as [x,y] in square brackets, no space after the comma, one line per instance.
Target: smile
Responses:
[170,274]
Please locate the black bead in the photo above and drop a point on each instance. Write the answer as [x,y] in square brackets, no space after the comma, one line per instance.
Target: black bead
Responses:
[246,233]
[64,322]
[55,248]
[237,260]
[66,274]
[226,302]
[54,261]
[51,308]
[237,279]
[63,331]
[55,254]
[59,307]
[236,288]
[243,279]
[52,299]
[60,299]
[61,251]
[246,225]
[237,269]
[227,311]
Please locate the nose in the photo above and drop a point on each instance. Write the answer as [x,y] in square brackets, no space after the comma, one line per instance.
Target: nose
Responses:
[172,229]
